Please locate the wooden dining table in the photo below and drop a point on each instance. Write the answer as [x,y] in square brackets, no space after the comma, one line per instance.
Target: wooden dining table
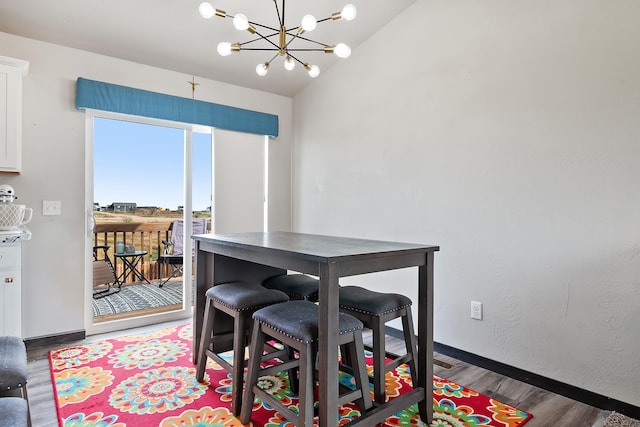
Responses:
[255,256]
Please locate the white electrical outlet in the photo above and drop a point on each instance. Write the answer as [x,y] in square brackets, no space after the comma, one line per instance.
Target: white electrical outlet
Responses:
[476,310]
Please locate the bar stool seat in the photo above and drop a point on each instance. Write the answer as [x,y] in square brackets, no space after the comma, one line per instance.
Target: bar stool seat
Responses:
[296,286]
[374,309]
[295,323]
[13,370]
[14,412]
[238,301]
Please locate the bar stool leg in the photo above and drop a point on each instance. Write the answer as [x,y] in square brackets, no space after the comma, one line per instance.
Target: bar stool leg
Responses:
[379,363]
[410,340]
[356,354]
[205,338]
[26,398]
[257,343]
[239,345]
[293,375]
[305,393]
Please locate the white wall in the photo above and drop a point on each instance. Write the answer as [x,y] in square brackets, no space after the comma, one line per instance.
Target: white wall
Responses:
[239,161]
[508,133]
[53,167]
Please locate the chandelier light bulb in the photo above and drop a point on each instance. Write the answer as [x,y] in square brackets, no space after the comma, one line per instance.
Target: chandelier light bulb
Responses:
[349,12]
[224,48]
[262,69]
[313,70]
[309,23]
[289,63]
[241,22]
[206,10]
[342,50]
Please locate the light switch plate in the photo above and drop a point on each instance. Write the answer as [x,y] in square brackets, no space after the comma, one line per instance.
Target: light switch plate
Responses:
[51,207]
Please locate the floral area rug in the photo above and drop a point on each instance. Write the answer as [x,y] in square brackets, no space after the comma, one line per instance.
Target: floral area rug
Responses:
[149,380]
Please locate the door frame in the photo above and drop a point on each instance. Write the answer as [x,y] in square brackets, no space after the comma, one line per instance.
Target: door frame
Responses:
[149,319]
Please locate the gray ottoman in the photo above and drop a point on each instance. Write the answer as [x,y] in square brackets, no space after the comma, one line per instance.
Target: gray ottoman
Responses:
[374,309]
[13,374]
[296,286]
[13,412]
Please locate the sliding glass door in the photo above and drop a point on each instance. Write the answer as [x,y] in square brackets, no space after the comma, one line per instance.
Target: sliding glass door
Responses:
[140,180]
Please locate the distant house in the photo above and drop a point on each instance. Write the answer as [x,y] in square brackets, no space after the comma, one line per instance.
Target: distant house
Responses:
[122,207]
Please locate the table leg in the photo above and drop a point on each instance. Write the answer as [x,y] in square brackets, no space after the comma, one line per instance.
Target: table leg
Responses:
[135,272]
[425,337]
[127,268]
[122,277]
[328,347]
[204,280]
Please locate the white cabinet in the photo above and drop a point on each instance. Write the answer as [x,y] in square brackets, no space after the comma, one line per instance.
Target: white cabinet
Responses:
[10,290]
[11,73]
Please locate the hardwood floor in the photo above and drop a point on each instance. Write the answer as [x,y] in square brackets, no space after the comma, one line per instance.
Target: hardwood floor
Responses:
[548,409]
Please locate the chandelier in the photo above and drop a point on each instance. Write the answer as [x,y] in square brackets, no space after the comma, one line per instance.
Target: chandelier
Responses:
[281,40]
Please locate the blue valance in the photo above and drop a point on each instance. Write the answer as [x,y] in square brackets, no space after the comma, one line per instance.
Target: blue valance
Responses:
[122,99]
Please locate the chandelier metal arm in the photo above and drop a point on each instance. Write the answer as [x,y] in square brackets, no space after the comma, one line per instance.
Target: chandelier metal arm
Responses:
[266,38]
[273,49]
[298,36]
[298,28]
[295,59]
[266,49]
[288,51]
[265,27]
[309,49]
[274,57]
[286,47]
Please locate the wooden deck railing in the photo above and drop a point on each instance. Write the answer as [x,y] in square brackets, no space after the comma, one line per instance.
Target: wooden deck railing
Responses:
[144,236]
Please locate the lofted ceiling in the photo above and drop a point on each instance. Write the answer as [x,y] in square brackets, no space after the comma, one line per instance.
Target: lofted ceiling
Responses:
[171,34]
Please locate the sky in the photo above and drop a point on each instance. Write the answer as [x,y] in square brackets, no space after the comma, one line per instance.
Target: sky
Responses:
[143,164]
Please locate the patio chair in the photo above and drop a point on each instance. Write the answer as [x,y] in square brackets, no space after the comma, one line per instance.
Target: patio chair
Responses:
[104,274]
[173,249]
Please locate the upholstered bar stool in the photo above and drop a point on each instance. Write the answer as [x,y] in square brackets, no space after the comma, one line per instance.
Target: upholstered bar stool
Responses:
[295,323]
[296,286]
[13,370]
[237,301]
[374,310]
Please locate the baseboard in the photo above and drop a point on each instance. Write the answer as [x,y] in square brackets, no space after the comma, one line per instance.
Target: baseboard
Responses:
[581,395]
[53,340]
